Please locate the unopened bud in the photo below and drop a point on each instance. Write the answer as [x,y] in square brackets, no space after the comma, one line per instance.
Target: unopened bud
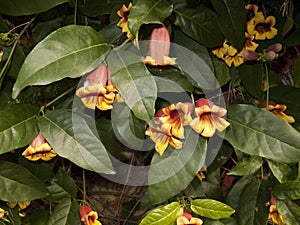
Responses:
[250,55]
[270,56]
[275,48]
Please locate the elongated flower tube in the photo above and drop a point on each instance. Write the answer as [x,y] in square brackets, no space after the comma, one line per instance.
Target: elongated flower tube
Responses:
[39,149]
[159,49]
[88,216]
[209,118]
[98,91]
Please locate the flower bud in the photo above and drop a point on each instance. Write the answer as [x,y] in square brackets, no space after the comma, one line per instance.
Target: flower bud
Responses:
[250,55]
[270,56]
[275,48]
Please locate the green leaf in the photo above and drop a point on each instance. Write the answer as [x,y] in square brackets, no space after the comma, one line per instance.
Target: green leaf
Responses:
[288,190]
[27,7]
[200,23]
[247,167]
[65,213]
[95,8]
[165,215]
[38,217]
[124,125]
[56,57]
[234,195]
[281,171]
[231,17]
[289,22]
[175,169]
[261,210]
[252,77]
[61,186]
[287,95]
[297,73]
[74,136]
[289,210]
[251,133]
[222,71]
[145,12]
[248,203]
[211,208]
[135,83]
[18,126]
[17,184]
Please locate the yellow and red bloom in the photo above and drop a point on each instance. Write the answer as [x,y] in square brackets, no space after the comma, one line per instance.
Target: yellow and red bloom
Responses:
[230,54]
[39,149]
[22,205]
[262,28]
[170,121]
[98,91]
[209,118]
[159,49]
[123,23]
[252,13]
[278,110]
[2,213]
[188,219]
[88,216]
[274,215]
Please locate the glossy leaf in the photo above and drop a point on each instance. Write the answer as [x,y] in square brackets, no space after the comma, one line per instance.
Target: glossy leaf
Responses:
[18,126]
[124,126]
[61,186]
[135,83]
[286,95]
[289,23]
[145,12]
[175,169]
[163,215]
[289,210]
[74,136]
[234,195]
[65,213]
[297,73]
[252,78]
[27,7]
[251,133]
[248,203]
[222,71]
[56,57]
[247,166]
[19,187]
[233,27]
[200,23]
[281,171]
[288,190]
[261,210]
[211,208]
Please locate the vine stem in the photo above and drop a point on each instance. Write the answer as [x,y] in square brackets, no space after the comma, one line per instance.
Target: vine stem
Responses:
[75,12]
[57,98]
[14,47]
[267,80]
[84,186]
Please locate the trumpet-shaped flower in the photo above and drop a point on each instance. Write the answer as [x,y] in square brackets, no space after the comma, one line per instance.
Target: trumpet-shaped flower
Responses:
[230,54]
[262,28]
[39,149]
[188,219]
[275,216]
[278,110]
[22,205]
[98,90]
[159,48]
[123,23]
[209,118]
[88,216]
[252,13]
[170,121]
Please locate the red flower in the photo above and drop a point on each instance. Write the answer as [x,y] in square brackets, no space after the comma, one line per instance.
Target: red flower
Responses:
[88,216]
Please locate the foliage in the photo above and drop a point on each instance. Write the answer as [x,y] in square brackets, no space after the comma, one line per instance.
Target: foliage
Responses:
[191,100]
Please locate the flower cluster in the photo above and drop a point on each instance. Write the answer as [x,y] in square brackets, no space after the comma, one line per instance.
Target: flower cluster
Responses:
[98,90]
[88,216]
[187,218]
[39,149]
[258,28]
[21,205]
[170,122]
